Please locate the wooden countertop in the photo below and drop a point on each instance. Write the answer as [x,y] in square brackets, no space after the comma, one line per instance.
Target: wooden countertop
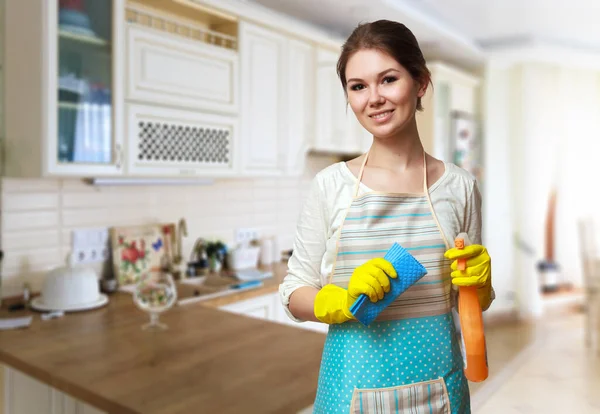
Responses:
[207,361]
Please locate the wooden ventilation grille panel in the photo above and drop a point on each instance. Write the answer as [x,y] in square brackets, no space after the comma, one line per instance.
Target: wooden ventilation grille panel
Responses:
[164,142]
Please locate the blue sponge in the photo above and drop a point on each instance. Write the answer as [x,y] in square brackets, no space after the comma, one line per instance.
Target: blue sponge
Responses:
[409,271]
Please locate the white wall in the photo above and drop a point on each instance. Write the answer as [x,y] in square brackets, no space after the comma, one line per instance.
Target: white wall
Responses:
[497,206]
[541,131]
[579,191]
[535,175]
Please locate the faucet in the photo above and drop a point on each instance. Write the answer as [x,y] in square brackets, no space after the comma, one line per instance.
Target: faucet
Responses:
[181,232]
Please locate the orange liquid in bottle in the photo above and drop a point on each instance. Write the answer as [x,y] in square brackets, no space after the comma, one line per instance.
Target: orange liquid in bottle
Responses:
[471,322]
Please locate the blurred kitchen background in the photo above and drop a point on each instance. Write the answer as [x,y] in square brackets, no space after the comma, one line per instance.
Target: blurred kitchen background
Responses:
[214,115]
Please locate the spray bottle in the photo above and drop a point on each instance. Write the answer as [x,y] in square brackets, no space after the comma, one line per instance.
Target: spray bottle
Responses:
[471,322]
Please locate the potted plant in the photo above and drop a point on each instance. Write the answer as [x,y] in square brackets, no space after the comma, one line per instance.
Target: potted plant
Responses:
[216,250]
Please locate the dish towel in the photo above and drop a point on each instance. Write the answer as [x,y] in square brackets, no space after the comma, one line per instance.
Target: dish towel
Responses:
[409,271]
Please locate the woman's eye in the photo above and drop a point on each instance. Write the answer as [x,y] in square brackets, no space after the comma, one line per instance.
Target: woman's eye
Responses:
[357,87]
[389,79]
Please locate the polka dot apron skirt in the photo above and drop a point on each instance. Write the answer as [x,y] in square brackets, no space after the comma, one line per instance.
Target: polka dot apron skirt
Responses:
[409,359]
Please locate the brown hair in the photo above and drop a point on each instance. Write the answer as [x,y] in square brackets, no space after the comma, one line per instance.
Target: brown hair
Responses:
[392,38]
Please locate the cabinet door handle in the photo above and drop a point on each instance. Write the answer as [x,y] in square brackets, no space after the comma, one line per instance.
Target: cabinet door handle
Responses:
[118,156]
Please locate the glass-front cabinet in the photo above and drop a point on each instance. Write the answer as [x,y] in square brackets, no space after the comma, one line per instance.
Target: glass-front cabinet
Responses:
[85,84]
[84,114]
[76,48]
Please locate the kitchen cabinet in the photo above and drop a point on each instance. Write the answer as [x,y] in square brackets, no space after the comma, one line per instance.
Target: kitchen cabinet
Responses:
[454,90]
[130,88]
[74,112]
[182,96]
[262,118]
[299,90]
[281,317]
[167,141]
[338,130]
[166,69]
[269,307]
[64,83]
[261,307]
[24,394]
[277,101]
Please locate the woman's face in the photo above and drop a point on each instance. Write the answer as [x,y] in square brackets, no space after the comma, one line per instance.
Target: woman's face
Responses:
[382,94]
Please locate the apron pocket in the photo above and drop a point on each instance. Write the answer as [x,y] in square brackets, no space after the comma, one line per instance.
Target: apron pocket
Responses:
[429,397]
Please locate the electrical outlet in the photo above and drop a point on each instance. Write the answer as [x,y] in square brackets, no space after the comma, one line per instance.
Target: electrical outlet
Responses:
[244,236]
[90,245]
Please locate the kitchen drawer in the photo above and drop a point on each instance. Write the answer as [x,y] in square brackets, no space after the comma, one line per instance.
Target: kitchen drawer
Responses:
[169,70]
[261,307]
[269,307]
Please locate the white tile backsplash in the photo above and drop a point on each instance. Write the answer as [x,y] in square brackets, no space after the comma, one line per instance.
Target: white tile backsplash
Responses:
[38,215]
[30,239]
[31,201]
[29,220]
[85,216]
[82,199]
[25,185]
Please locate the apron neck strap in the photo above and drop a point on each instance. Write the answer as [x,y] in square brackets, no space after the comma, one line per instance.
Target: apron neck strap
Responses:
[362,170]
[360,173]
[425,186]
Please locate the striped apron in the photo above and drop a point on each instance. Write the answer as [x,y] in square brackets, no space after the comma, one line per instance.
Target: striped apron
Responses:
[409,359]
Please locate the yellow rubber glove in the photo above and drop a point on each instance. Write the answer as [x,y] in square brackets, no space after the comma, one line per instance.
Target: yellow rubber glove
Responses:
[332,303]
[478,272]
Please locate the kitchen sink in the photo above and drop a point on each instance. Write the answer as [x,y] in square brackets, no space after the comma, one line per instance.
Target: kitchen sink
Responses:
[204,287]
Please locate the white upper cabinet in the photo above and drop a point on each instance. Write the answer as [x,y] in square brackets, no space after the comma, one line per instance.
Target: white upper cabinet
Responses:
[299,90]
[166,88]
[330,106]
[167,142]
[262,118]
[276,116]
[338,130]
[182,101]
[167,69]
[64,82]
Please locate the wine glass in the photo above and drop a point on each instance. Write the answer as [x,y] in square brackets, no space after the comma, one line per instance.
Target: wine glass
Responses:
[154,293]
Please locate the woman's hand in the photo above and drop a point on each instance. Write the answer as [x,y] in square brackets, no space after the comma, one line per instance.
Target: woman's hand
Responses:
[479,266]
[478,271]
[332,303]
[371,278]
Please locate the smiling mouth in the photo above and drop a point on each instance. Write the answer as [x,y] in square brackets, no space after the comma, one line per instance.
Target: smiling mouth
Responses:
[381,115]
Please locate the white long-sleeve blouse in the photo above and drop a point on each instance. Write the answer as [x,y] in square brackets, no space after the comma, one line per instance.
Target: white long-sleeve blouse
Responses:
[454,196]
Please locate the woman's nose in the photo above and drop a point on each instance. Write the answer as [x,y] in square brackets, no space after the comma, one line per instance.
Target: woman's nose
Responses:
[375,98]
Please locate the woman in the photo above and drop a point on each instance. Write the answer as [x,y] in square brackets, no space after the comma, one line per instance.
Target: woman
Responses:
[409,358]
